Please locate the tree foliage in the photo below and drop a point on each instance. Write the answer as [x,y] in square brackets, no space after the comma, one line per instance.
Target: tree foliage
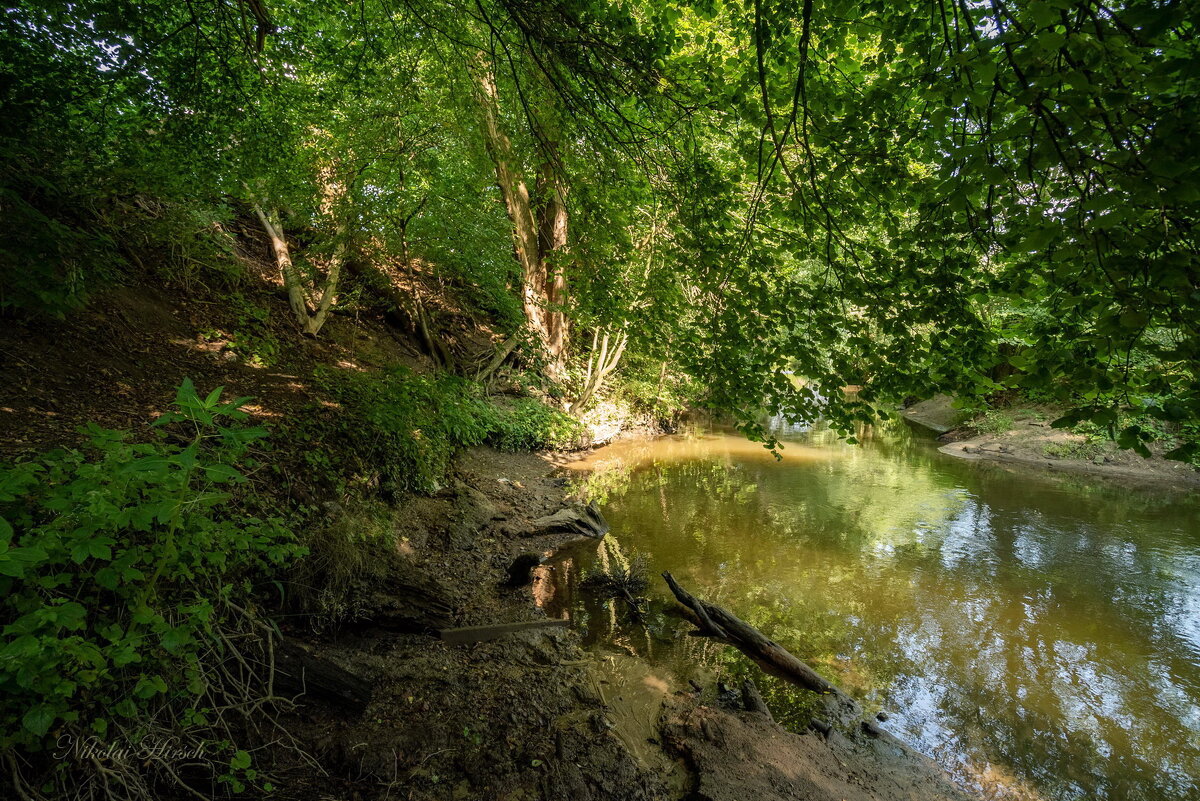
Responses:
[956,196]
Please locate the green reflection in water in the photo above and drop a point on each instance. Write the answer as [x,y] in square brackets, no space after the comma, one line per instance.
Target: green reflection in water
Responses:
[1037,635]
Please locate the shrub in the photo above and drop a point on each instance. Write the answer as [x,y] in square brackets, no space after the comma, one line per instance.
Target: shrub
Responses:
[121,576]
[529,424]
[993,421]
[405,427]
[1086,450]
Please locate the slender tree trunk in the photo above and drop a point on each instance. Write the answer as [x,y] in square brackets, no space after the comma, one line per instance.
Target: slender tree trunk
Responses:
[662,374]
[333,192]
[310,321]
[313,324]
[310,312]
[604,358]
[283,258]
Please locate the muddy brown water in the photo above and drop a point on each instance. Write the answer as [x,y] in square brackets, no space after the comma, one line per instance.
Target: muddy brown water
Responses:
[1039,636]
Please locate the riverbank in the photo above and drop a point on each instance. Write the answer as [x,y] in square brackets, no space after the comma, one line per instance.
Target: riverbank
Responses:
[1024,438]
[532,715]
[528,715]
[1035,446]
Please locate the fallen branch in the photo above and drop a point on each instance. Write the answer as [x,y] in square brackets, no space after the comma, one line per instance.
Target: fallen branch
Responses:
[715,621]
[491,632]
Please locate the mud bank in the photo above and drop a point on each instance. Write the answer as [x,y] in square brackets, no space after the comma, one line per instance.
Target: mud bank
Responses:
[1030,442]
[1035,445]
[531,715]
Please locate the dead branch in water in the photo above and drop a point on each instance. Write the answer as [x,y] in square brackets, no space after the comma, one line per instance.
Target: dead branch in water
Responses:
[718,622]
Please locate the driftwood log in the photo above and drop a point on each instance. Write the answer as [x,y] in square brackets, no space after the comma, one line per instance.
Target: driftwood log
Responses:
[407,602]
[719,623]
[299,671]
[582,521]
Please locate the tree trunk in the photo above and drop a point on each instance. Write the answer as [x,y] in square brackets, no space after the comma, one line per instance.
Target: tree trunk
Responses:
[552,246]
[310,322]
[539,228]
[283,259]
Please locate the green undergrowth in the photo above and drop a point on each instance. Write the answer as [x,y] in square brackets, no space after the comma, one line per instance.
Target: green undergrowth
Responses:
[129,573]
[993,421]
[1086,450]
[399,430]
[1146,428]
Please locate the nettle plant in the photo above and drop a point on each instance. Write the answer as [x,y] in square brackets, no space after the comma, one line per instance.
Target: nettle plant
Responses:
[125,597]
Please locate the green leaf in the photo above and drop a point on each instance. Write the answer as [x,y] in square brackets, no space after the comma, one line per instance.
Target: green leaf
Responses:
[15,562]
[39,719]
[175,638]
[222,473]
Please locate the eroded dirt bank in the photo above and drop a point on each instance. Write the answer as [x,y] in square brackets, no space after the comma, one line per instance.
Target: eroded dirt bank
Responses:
[533,716]
[1033,444]
[527,716]
[1028,441]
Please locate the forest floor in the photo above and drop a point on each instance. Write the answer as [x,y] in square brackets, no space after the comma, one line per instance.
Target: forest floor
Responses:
[1025,439]
[527,716]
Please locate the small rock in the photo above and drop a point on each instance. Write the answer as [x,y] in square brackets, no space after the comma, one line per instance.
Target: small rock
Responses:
[882,716]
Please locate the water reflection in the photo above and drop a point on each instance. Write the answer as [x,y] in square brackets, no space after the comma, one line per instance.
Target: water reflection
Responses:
[1040,636]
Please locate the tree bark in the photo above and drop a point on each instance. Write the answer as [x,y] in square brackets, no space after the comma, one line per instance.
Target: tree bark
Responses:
[539,228]
[310,322]
[301,672]
[715,621]
[283,259]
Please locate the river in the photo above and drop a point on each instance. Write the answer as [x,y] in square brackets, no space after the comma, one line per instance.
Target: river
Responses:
[1037,635]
